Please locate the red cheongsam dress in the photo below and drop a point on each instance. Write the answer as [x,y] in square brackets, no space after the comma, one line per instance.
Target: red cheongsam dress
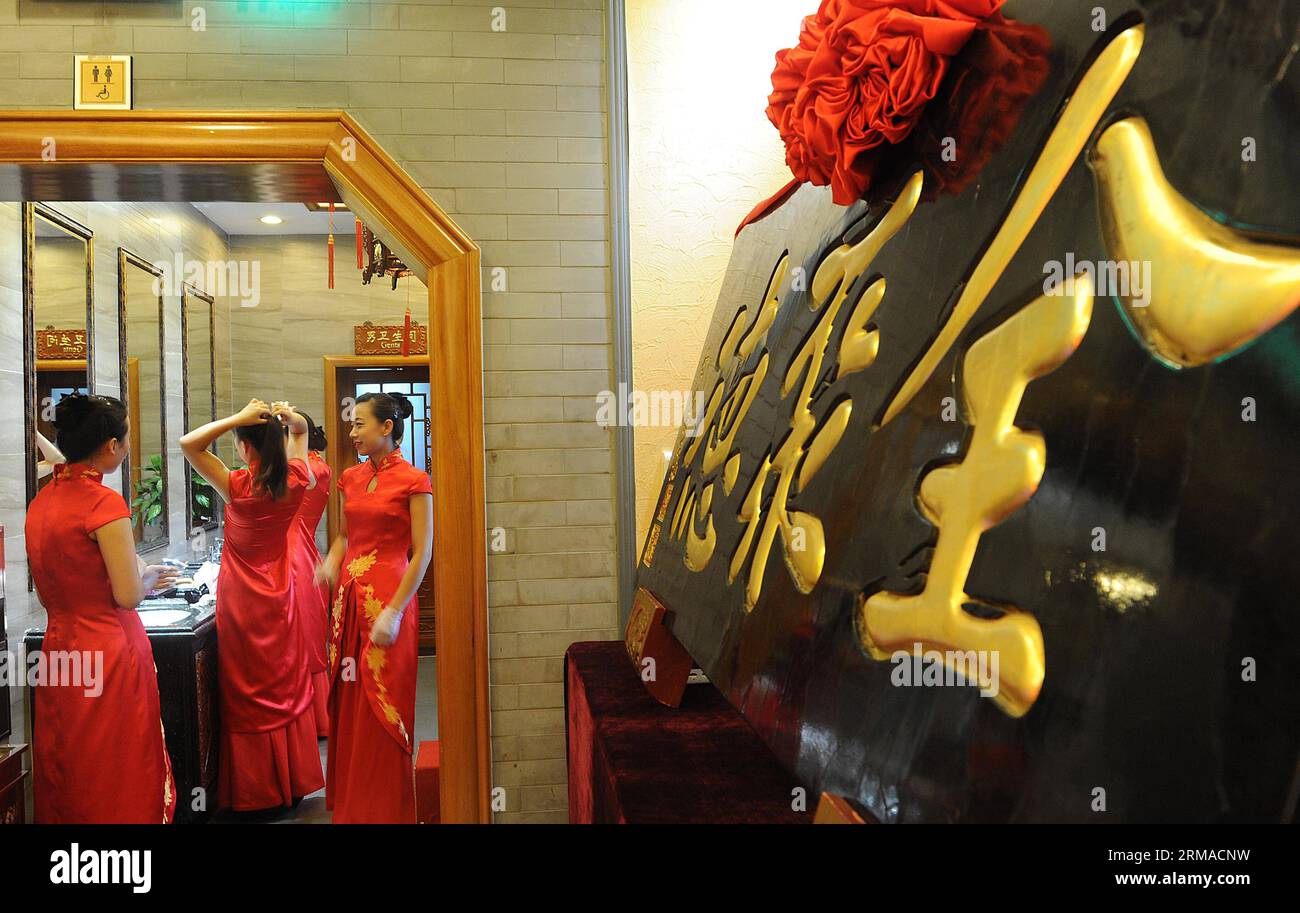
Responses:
[268,733]
[372,689]
[99,755]
[312,608]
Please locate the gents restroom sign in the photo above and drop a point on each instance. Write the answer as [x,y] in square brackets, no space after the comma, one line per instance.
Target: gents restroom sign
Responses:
[102,82]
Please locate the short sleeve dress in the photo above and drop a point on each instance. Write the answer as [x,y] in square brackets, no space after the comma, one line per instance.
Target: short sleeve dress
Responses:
[99,755]
[372,713]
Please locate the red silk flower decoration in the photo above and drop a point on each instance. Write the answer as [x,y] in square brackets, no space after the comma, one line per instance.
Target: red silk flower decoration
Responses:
[859,79]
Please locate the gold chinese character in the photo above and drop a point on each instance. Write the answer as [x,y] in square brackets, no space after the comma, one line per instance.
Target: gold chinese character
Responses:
[723,417]
[806,447]
[1000,472]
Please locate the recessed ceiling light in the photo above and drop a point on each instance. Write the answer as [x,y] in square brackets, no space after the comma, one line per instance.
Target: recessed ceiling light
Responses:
[271,220]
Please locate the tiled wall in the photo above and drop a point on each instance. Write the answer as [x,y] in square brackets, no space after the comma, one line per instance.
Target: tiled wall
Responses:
[154,232]
[276,348]
[507,131]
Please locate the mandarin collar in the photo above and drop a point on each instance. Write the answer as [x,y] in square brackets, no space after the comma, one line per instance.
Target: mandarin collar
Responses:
[64,471]
[392,459]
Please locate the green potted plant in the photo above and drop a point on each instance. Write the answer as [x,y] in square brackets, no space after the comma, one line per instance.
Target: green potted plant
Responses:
[202,494]
[148,502]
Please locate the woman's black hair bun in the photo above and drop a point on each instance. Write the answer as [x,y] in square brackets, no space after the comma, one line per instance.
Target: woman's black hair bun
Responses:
[403,404]
[71,411]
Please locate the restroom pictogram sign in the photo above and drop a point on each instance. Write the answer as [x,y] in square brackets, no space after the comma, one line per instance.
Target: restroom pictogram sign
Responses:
[102,82]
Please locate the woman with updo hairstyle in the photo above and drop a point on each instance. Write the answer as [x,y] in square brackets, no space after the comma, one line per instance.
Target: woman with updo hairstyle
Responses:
[378,561]
[312,597]
[269,756]
[99,756]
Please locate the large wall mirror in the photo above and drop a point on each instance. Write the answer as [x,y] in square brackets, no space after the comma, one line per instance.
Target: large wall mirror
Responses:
[58,315]
[198,326]
[140,329]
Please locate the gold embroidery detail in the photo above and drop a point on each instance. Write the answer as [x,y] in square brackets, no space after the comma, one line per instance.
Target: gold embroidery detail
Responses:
[169,783]
[373,606]
[376,660]
[359,565]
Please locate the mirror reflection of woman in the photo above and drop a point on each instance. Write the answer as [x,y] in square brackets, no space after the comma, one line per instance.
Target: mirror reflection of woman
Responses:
[312,598]
[269,757]
[98,757]
[379,559]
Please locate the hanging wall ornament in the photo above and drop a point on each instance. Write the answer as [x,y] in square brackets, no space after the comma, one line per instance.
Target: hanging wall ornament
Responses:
[331,247]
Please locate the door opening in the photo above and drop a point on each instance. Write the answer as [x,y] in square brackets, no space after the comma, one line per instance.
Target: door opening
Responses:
[348,377]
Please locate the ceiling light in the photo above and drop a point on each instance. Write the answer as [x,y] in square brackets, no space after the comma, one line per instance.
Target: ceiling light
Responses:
[271,220]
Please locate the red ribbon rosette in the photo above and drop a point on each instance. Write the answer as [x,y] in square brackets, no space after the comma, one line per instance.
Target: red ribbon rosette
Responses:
[858,82]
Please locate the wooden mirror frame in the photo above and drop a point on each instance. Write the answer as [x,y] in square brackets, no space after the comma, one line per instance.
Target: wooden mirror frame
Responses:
[125,260]
[31,211]
[189,294]
[157,150]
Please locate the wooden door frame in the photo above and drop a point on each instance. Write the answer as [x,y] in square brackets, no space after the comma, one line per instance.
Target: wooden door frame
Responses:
[332,364]
[373,185]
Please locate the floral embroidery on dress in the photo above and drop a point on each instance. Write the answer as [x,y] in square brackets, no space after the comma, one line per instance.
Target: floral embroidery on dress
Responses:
[376,660]
[375,656]
[336,628]
[359,565]
[64,471]
[392,458]
[169,782]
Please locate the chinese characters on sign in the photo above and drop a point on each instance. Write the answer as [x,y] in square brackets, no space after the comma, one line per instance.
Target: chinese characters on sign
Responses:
[61,345]
[387,340]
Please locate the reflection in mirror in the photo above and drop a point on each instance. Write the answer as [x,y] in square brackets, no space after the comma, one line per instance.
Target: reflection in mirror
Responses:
[140,328]
[197,356]
[58,258]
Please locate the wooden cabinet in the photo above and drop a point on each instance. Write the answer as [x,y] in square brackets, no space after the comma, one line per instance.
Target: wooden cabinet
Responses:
[13,785]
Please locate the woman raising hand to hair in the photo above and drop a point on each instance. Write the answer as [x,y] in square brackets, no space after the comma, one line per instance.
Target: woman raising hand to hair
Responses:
[269,757]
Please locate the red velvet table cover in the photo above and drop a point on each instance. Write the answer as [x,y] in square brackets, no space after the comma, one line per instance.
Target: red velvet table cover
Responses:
[633,760]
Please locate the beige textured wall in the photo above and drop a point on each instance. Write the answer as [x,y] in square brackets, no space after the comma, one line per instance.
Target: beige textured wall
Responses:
[276,348]
[702,155]
[507,131]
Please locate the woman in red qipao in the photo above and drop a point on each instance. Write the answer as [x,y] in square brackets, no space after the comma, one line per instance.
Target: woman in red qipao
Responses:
[312,598]
[99,754]
[269,757]
[374,620]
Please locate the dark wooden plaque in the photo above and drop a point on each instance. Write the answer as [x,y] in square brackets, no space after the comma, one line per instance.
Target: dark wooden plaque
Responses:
[994,513]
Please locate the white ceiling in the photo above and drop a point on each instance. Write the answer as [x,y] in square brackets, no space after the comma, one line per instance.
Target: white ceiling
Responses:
[243,219]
